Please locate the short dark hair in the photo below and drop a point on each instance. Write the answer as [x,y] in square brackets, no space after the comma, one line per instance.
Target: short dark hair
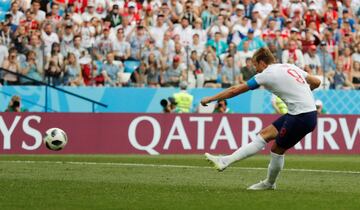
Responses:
[265,55]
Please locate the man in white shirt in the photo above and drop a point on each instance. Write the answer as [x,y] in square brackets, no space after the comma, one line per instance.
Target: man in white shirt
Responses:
[39,14]
[49,37]
[16,14]
[121,47]
[159,29]
[312,61]
[264,8]
[184,30]
[293,86]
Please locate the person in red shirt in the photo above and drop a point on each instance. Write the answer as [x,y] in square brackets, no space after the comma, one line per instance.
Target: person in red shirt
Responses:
[131,13]
[330,15]
[29,22]
[312,15]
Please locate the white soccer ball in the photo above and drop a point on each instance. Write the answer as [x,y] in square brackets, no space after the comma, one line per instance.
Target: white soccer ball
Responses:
[55,139]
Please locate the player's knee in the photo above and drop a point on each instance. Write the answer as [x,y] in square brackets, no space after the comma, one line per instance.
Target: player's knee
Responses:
[277,150]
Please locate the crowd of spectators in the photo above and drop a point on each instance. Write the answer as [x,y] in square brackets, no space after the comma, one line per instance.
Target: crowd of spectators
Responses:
[159,43]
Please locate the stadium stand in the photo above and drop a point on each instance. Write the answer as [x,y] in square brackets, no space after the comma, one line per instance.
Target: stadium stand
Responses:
[155,43]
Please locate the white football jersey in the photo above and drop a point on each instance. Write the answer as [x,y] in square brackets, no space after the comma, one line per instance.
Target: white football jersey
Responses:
[288,82]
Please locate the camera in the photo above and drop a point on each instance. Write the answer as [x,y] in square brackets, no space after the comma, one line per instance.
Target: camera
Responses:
[165,102]
[16,104]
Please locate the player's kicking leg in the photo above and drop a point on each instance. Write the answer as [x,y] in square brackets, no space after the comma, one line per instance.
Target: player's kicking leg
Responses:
[222,162]
[291,131]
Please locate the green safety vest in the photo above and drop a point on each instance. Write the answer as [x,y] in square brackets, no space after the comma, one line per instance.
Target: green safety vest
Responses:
[281,105]
[184,101]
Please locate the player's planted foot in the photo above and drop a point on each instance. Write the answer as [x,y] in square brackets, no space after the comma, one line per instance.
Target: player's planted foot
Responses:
[217,161]
[262,185]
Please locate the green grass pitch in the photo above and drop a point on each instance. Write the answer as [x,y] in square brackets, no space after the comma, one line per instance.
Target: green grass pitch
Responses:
[175,182]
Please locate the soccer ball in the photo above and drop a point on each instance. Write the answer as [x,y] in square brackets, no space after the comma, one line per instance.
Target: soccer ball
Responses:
[55,139]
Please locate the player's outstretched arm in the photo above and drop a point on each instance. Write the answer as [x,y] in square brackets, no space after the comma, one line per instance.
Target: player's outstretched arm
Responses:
[314,82]
[228,93]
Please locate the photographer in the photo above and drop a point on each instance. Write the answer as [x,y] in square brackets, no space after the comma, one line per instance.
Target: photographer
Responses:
[15,105]
[169,105]
[221,107]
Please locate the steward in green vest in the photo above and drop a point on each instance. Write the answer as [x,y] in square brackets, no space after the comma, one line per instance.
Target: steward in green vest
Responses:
[183,99]
[279,105]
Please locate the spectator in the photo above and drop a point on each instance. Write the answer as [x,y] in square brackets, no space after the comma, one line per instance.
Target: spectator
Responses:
[293,55]
[16,14]
[320,107]
[247,71]
[210,67]
[174,73]
[30,70]
[11,64]
[221,107]
[338,78]
[219,45]
[254,42]
[72,74]
[121,47]
[327,63]
[49,38]
[312,61]
[243,55]
[139,76]
[230,73]
[15,105]
[356,75]
[54,65]
[111,71]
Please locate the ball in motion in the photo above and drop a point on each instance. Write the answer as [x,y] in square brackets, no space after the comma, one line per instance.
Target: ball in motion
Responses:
[55,139]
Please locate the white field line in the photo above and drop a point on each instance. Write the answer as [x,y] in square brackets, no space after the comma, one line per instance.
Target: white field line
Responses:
[169,166]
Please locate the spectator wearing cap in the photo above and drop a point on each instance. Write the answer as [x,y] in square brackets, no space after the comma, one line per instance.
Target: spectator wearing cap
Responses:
[132,12]
[219,45]
[114,16]
[312,61]
[174,73]
[327,62]
[239,13]
[293,55]
[67,39]
[184,30]
[264,8]
[312,15]
[90,12]
[254,42]
[277,17]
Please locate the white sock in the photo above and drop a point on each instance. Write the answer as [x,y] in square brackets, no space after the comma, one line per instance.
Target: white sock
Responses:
[275,166]
[246,151]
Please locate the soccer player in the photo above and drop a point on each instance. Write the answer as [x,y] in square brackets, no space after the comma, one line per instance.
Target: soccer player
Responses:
[293,85]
